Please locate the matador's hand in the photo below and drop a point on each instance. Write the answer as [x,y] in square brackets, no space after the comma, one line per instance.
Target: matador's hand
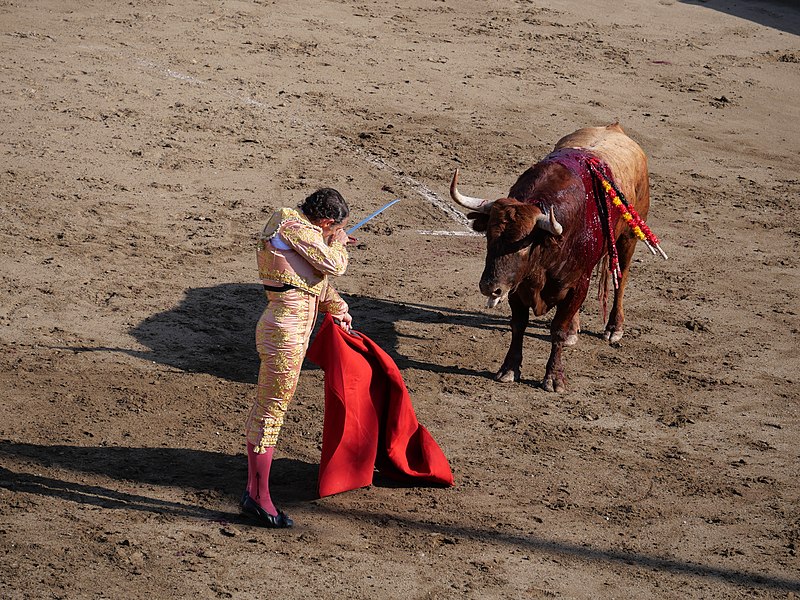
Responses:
[346,322]
[341,237]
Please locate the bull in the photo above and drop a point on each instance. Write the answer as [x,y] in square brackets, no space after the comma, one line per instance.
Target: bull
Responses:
[546,237]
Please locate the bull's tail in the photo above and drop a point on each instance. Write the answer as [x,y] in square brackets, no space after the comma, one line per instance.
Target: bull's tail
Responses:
[603,278]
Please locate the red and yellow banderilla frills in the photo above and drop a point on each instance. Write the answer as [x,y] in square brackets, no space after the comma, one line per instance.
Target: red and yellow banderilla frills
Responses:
[614,197]
[632,218]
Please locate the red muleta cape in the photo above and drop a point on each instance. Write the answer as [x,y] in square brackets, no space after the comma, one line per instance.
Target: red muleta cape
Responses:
[369,420]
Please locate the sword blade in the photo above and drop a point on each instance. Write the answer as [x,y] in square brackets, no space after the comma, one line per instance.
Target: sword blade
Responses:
[372,216]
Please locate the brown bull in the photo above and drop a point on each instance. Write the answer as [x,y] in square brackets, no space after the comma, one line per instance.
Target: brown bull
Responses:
[546,237]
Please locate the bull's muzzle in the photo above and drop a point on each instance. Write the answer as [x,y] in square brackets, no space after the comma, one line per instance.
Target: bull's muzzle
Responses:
[494,295]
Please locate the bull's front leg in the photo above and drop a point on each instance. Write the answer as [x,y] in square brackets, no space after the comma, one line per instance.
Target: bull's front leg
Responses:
[563,331]
[554,378]
[520,315]
[574,330]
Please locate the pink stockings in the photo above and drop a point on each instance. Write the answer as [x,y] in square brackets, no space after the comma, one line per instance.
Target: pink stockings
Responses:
[258,466]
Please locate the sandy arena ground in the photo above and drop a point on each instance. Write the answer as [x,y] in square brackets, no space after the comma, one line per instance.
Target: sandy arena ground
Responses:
[145,142]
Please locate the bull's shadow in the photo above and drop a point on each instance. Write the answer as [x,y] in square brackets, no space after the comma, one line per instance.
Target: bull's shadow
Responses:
[212,330]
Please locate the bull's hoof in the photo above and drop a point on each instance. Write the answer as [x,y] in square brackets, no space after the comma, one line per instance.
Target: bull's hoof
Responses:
[552,383]
[613,336]
[507,376]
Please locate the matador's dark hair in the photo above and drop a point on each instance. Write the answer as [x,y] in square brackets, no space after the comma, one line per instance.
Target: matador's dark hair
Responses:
[325,203]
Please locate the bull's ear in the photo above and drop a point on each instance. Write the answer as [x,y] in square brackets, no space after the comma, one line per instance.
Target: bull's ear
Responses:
[479,221]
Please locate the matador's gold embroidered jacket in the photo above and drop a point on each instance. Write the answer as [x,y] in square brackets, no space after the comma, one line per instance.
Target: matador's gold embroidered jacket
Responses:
[307,262]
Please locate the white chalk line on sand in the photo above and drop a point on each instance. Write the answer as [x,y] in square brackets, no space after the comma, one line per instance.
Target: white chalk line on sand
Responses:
[370,157]
[449,233]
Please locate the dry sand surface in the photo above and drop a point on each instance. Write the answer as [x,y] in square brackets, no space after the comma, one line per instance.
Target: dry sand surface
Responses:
[145,142]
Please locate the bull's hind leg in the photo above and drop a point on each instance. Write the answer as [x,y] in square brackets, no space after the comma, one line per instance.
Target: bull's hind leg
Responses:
[626,244]
[520,315]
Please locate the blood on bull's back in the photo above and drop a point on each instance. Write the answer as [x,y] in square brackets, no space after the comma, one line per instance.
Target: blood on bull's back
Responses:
[625,158]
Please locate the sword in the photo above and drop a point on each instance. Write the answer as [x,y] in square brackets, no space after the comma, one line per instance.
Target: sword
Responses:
[372,216]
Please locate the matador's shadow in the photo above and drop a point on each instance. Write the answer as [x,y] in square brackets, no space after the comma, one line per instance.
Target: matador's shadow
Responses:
[212,330]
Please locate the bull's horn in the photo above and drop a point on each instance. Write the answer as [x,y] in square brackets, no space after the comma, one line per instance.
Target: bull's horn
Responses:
[476,204]
[548,223]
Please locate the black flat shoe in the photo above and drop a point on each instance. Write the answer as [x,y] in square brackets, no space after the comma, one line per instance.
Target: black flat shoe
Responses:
[249,507]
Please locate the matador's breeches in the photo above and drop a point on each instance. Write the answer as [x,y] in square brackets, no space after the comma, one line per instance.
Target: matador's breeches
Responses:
[282,336]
